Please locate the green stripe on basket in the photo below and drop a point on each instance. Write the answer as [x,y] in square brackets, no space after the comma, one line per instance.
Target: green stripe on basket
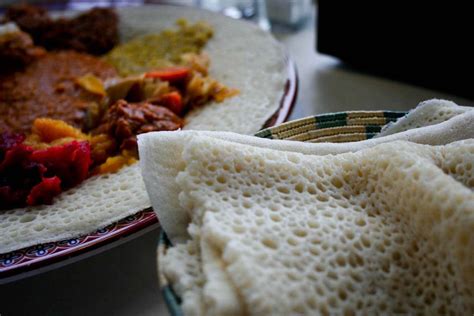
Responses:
[172,301]
[394,114]
[372,129]
[264,133]
[328,124]
[339,116]
[163,239]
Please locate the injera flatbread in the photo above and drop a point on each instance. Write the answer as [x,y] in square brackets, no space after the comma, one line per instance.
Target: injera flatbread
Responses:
[236,60]
[162,159]
[383,230]
[427,113]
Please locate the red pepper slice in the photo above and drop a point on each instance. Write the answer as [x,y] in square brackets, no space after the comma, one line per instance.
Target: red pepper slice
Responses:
[169,74]
[45,191]
[70,162]
[173,101]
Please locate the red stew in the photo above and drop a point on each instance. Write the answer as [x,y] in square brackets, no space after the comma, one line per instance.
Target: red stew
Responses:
[47,88]
[31,177]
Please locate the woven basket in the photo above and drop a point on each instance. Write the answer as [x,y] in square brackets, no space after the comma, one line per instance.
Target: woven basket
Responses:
[333,127]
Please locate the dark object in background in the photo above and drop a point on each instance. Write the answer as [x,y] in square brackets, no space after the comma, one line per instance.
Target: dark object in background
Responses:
[94,32]
[428,45]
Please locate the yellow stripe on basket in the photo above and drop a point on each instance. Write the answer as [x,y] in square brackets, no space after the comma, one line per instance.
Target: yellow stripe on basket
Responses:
[327,132]
[294,127]
[341,138]
[295,132]
[367,121]
[364,114]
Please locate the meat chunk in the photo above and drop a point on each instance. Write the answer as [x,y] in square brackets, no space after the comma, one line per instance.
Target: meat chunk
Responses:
[94,32]
[30,19]
[16,48]
[123,121]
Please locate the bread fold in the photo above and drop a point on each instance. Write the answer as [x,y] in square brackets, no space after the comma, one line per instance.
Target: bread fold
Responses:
[273,227]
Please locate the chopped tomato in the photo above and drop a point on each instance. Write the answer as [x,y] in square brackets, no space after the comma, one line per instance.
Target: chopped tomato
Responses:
[31,176]
[70,161]
[172,101]
[45,191]
[169,74]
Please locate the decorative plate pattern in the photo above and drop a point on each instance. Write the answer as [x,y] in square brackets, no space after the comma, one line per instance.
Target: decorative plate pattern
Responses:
[40,255]
[332,127]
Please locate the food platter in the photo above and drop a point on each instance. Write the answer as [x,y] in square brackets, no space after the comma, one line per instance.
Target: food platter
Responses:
[44,257]
[31,260]
[333,127]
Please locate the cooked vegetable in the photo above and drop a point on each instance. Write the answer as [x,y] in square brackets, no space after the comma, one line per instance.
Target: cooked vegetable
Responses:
[118,88]
[169,74]
[201,89]
[115,163]
[34,176]
[92,84]
[45,191]
[48,130]
[155,51]
[70,162]
[172,101]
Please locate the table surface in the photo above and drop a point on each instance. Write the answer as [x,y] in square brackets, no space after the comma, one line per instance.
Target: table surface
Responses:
[123,280]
